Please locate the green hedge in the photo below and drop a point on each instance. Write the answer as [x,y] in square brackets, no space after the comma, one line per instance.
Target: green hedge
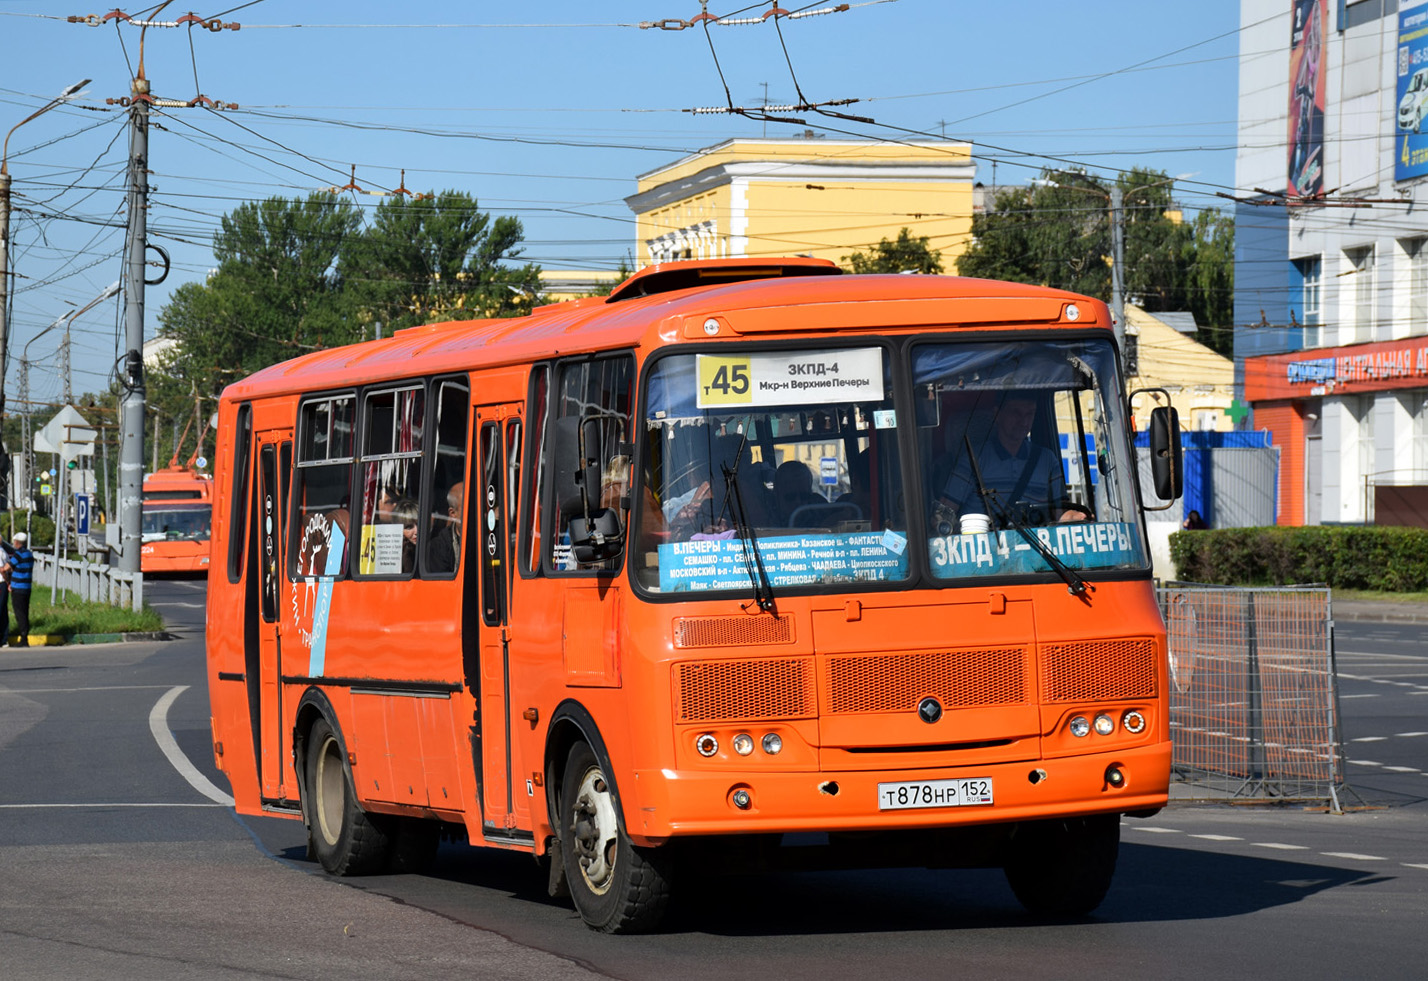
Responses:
[42,529]
[1384,559]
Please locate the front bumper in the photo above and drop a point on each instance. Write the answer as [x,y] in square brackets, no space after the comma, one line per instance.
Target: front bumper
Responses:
[676,803]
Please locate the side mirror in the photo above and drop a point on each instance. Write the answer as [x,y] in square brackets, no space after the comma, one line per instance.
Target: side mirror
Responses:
[576,473]
[596,534]
[1166,457]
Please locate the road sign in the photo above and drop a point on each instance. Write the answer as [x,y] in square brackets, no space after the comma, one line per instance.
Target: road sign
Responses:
[81,514]
[67,434]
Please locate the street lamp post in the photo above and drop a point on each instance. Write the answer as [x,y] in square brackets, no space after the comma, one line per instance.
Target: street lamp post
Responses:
[69,93]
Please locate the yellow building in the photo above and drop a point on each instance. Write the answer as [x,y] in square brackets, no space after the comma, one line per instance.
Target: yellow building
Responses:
[815,197]
[1201,382]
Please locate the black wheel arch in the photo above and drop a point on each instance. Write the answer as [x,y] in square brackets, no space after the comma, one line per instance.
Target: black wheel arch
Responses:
[313,705]
[571,723]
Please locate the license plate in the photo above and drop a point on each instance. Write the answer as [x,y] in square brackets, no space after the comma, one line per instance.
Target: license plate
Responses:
[934,793]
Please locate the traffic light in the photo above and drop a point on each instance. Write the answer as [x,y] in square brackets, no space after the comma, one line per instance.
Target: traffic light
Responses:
[72,464]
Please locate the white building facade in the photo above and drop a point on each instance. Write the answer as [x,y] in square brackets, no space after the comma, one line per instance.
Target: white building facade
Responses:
[1331,265]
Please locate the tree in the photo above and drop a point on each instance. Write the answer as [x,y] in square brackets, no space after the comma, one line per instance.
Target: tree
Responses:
[436,257]
[1057,233]
[907,254]
[275,294]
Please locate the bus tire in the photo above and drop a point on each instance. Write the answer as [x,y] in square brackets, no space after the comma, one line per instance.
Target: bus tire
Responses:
[345,839]
[1064,867]
[616,887]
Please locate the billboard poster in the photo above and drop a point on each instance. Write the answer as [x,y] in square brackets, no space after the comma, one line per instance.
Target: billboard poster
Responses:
[1307,73]
[1412,142]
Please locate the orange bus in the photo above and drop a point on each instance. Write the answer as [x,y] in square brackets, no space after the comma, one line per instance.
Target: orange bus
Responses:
[643,584]
[177,520]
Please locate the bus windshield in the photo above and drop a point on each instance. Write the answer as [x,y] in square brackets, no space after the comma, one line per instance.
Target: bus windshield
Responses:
[795,450]
[785,468]
[1023,451]
[177,521]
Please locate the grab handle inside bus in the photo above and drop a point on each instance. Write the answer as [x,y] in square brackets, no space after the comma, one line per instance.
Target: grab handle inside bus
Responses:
[596,534]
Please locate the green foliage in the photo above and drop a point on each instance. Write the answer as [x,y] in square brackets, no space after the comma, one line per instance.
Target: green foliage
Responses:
[41,528]
[907,254]
[75,616]
[436,257]
[1057,233]
[1386,559]
[301,275]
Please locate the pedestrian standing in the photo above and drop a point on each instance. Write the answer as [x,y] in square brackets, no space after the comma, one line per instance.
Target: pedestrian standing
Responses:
[4,602]
[21,575]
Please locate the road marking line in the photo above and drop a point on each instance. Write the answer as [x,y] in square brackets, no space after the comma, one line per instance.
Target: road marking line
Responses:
[1155,831]
[159,726]
[1414,865]
[62,691]
[1281,846]
[1365,763]
[1368,739]
[1402,769]
[1218,837]
[1406,735]
[1355,856]
[21,807]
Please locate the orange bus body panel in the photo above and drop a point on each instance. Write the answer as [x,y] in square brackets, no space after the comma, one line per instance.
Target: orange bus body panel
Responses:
[596,643]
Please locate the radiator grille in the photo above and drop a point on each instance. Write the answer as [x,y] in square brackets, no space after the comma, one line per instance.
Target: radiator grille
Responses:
[728,691]
[742,631]
[957,679]
[1098,670]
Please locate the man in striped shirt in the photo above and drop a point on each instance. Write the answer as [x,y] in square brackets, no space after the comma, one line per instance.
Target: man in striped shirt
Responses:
[22,569]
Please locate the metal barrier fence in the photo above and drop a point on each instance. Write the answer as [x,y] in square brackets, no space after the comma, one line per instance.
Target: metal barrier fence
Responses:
[1254,702]
[91,581]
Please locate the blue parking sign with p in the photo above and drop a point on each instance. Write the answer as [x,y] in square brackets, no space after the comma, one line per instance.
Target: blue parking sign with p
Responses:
[81,514]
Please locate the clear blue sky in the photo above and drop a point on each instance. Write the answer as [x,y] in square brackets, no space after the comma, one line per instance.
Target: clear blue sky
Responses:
[548,111]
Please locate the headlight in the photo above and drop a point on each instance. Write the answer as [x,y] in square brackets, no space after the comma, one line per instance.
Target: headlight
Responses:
[1080,726]
[707,744]
[1133,721]
[1105,725]
[773,743]
[743,744]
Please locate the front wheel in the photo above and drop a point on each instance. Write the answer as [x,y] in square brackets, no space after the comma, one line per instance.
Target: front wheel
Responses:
[1064,867]
[616,887]
[345,839]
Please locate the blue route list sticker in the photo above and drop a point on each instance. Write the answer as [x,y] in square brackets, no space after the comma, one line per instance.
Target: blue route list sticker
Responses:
[789,560]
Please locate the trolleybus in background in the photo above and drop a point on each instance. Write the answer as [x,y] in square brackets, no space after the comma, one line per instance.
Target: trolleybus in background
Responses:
[642,584]
[177,520]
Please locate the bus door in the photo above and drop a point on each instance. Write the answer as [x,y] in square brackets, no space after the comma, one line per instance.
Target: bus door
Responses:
[274,454]
[498,441]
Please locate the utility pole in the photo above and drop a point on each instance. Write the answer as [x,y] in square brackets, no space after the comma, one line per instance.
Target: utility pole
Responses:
[72,92]
[1118,262]
[131,453]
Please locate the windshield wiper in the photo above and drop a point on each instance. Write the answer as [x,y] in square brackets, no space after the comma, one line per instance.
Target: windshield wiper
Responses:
[753,560]
[1075,585]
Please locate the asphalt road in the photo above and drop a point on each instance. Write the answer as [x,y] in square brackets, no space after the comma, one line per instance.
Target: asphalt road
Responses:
[115,864]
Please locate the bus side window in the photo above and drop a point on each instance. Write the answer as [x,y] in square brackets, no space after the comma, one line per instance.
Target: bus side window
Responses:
[530,529]
[514,433]
[238,503]
[602,388]
[448,475]
[391,533]
[322,486]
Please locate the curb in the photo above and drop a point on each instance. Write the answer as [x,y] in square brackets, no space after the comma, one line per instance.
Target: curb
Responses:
[62,640]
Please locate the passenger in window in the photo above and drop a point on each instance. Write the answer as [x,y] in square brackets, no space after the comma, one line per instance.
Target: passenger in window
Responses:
[446,537]
[793,489]
[405,513]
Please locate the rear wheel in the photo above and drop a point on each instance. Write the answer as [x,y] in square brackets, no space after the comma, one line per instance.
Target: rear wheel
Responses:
[616,887]
[345,839]
[1064,867]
